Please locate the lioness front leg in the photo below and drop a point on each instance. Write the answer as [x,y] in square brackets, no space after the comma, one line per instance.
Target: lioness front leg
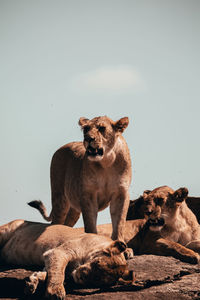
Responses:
[169,248]
[194,245]
[55,264]
[89,210]
[118,210]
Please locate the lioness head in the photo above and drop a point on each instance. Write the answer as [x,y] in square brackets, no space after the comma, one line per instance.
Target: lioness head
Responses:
[104,269]
[161,205]
[100,135]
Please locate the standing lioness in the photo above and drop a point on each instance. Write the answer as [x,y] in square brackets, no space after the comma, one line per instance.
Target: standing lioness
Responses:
[87,176]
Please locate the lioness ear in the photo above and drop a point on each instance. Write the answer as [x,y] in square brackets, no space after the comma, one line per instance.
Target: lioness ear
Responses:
[117,247]
[146,193]
[82,121]
[180,195]
[121,124]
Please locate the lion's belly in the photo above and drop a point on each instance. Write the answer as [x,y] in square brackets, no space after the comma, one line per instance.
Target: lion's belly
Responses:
[103,201]
[105,190]
[73,193]
[99,184]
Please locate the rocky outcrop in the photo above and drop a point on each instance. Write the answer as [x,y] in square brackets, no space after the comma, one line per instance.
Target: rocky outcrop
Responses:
[157,277]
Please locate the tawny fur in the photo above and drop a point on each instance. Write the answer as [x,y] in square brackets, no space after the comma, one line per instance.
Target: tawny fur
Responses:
[146,239]
[87,258]
[179,232]
[136,207]
[142,240]
[88,176]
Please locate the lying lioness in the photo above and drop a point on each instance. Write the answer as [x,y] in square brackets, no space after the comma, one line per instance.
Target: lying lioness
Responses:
[172,227]
[145,237]
[88,176]
[88,258]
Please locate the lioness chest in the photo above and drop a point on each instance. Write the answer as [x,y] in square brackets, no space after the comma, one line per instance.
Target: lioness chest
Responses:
[103,185]
[96,180]
[180,232]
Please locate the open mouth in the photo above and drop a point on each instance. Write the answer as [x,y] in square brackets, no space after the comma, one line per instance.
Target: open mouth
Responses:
[94,151]
[156,222]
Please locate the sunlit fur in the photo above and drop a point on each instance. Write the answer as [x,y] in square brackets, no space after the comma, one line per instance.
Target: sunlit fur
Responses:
[88,258]
[88,176]
[179,223]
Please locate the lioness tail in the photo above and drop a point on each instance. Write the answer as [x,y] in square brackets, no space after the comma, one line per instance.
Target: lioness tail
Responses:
[42,209]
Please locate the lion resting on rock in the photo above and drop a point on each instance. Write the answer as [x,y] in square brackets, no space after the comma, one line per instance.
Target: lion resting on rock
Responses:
[172,229]
[86,258]
[88,176]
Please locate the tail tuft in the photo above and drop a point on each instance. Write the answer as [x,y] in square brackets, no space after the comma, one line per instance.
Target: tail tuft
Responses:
[36,204]
[42,209]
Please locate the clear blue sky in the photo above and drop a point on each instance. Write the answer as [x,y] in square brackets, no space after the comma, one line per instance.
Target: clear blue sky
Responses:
[61,60]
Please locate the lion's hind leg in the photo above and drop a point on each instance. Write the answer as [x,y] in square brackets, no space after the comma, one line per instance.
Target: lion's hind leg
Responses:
[72,217]
[60,208]
[8,229]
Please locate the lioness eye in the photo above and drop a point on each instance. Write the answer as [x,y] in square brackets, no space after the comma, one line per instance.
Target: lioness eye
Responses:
[102,129]
[86,129]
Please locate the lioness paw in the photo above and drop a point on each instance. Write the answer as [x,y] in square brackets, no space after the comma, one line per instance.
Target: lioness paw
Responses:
[30,288]
[128,253]
[31,284]
[55,292]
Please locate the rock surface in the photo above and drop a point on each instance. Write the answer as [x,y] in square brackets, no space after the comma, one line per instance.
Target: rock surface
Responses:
[157,277]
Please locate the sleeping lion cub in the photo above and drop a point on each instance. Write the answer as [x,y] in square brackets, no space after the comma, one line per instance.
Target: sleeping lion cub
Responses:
[88,176]
[85,258]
